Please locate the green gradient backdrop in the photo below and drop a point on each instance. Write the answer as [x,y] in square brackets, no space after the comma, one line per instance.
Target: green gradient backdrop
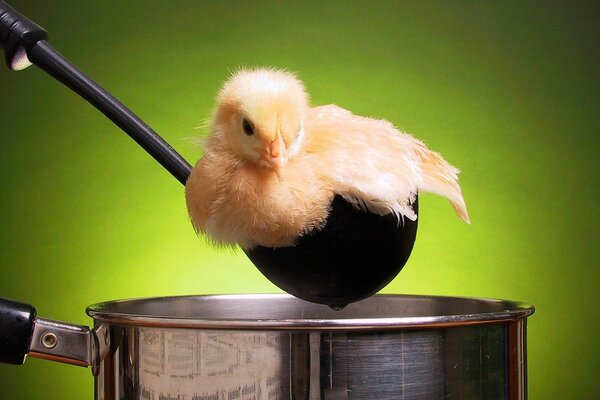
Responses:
[507,91]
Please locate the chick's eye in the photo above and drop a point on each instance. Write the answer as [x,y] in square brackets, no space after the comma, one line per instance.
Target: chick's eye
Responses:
[247,127]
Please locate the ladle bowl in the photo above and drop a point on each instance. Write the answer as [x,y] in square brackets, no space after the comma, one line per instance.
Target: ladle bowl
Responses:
[354,256]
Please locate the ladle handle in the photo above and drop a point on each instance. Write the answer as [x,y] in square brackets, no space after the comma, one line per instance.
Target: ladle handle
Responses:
[24,42]
[17,36]
[16,330]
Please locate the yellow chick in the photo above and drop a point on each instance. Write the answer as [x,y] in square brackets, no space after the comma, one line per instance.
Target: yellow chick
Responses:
[273,164]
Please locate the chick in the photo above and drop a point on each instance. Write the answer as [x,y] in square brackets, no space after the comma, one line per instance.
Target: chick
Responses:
[272,165]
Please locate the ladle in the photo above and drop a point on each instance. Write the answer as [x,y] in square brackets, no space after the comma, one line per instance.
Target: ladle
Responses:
[354,256]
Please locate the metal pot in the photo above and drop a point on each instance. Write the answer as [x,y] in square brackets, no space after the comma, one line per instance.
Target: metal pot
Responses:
[279,347]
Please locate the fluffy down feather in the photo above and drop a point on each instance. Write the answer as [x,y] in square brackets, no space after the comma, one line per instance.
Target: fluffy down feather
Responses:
[272,164]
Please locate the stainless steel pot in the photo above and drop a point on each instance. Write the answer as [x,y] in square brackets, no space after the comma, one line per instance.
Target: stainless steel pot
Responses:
[279,347]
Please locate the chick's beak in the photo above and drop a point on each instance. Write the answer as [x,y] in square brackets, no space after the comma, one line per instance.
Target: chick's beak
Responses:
[275,154]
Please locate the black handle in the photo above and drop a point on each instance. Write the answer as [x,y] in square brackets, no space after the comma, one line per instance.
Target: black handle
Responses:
[18,35]
[48,59]
[16,329]
[25,42]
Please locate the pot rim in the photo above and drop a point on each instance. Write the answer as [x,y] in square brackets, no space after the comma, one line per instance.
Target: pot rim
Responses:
[285,312]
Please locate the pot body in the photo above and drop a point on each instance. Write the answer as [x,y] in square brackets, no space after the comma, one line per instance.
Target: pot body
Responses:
[378,350]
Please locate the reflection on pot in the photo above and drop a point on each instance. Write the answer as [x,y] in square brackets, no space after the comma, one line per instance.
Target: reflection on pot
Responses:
[205,365]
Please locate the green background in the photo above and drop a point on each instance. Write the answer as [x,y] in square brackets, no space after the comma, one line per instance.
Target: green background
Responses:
[507,91]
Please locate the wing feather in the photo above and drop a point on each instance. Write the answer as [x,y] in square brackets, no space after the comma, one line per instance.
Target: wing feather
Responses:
[375,166]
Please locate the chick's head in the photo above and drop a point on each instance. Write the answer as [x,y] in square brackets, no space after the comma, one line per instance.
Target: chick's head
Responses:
[259,116]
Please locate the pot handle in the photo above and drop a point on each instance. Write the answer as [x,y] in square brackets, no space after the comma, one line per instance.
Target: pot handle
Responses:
[22,333]
[17,321]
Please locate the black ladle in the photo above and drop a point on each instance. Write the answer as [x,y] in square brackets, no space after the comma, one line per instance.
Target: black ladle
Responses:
[354,256]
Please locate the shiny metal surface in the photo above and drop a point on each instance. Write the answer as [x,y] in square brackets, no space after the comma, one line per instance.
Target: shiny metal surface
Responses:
[58,341]
[469,362]
[276,311]
[69,343]
[388,347]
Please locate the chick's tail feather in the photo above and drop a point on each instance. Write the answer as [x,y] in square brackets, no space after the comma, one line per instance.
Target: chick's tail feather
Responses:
[441,178]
